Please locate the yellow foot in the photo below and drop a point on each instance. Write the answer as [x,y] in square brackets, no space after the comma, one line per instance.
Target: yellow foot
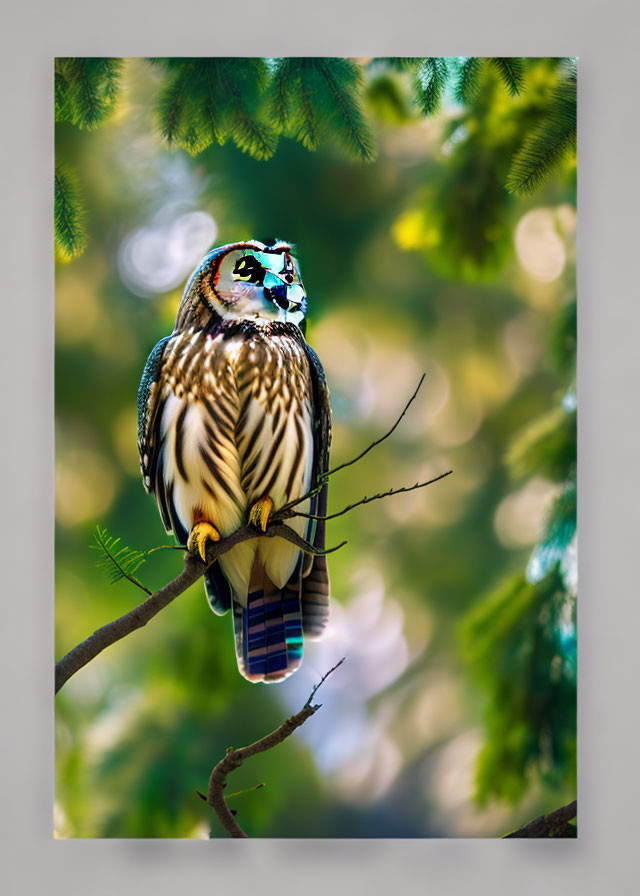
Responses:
[200,534]
[260,512]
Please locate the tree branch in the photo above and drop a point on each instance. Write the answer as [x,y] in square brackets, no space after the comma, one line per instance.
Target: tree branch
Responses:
[235,758]
[194,569]
[554,824]
[365,500]
[284,512]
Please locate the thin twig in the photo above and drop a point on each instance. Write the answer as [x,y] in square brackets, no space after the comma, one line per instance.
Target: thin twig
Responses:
[322,680]
[194,569]
[283,512]
[554,824]
[365,500]
[349,463]
[235,758]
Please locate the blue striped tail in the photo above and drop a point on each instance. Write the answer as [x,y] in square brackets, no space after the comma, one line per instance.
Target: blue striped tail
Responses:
[268,632]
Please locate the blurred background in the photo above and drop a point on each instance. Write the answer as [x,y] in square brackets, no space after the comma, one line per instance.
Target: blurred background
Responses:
[424,248]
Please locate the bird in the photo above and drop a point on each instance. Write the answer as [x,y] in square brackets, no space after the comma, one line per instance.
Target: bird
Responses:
[234,421]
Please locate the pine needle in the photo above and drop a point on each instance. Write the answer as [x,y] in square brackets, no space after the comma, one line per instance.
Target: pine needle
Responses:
[430,82]
[86,89]
[342,82]
[511,70]
[70,231]
[117,561]
[548,145]
[468,79]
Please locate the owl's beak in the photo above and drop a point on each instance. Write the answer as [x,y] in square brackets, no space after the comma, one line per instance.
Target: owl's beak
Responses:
[289,298]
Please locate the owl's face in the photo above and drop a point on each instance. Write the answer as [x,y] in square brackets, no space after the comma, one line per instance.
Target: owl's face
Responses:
[253,281]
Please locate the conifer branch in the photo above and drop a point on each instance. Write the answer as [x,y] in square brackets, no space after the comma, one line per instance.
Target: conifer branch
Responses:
[550,143]
[343,78]
[511,70]
[70,231]
[468,79]
[431,78]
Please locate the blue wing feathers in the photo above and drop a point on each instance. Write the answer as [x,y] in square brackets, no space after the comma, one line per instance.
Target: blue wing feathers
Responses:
[217,590]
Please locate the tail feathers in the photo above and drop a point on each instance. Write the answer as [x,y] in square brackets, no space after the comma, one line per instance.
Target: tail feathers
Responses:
[315,599]
[217,590]
[315,583]
[268,633]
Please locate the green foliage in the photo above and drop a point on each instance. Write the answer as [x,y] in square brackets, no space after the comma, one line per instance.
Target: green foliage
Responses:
[207,100]
[468,79]
[141,727]
[544,447]
[431,79]
[117,561]
[511,70]
[520,641]
[515,642]
[559,530]
[69,214]
[316,98]
[563,337]
[467,232]
[548,144]
[86,90]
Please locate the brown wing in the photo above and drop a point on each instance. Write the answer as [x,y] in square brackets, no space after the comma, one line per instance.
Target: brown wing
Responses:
[315,584]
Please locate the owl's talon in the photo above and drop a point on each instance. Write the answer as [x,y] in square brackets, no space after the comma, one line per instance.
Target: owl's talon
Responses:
[260,513]
[201,533]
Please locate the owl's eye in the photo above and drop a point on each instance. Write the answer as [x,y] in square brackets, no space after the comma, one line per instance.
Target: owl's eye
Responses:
[249,270]
[288,270]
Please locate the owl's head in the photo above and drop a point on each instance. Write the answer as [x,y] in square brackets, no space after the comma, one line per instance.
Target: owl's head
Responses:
[246,281]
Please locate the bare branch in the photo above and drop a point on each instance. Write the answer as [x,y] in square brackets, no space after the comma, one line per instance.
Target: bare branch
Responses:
[235,758]
[283,512]
[365,500]
[554,824]
[373,445]
[194,569]
[322,680]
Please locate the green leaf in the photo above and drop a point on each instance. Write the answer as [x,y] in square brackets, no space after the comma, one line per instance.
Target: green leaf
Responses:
[86,89]
[547,145]
[431,79]
[70,232]
[117,561]
[511,69]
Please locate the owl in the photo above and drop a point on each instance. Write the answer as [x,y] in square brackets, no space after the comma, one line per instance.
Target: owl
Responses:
[233,422]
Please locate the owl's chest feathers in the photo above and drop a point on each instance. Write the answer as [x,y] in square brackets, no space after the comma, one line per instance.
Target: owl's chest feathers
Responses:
[237,421]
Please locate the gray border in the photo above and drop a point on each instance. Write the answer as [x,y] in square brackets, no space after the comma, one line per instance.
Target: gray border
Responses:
[603,34]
